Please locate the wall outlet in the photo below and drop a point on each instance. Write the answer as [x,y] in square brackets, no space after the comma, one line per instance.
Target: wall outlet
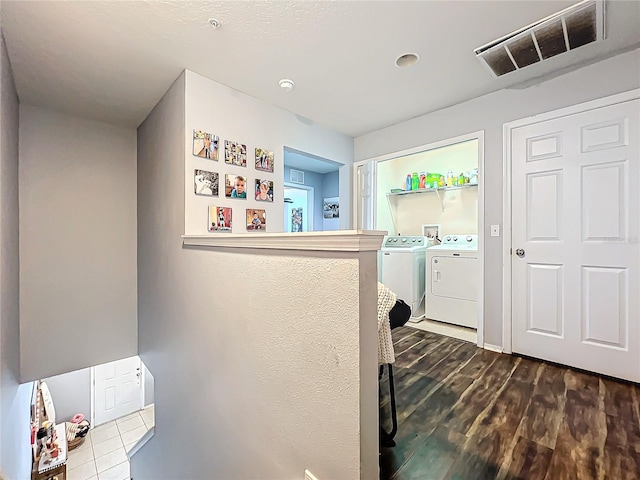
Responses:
[495,230]
[309,476]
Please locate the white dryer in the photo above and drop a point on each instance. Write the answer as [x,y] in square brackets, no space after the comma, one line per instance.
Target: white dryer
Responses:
[401,267]
[453,276]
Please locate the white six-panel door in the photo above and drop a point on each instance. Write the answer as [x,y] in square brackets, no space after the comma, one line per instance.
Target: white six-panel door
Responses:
[575,223]
[117,389]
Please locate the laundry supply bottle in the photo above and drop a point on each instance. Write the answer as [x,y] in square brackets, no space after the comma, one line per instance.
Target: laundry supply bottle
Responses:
[415,181]
[408,183]
[450,178]
[422,181]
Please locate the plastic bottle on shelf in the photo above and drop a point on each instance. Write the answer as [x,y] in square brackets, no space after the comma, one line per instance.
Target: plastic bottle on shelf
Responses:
[415,181]
[450,178]
[422,180]
[408,182]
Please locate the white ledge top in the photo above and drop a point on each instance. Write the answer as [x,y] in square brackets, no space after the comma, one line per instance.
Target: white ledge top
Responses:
[337,240]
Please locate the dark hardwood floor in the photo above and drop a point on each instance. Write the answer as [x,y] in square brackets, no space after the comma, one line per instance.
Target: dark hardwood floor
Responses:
[470,414]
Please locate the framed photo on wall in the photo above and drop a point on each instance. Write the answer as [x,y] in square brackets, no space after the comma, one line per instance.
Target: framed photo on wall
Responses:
[205,145]
[331,207]
[219,219]
[264,160]
[206,183]
[264,190]
[235,153]
[256,219]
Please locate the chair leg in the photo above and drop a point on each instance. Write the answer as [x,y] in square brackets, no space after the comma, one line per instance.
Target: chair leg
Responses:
[392,399]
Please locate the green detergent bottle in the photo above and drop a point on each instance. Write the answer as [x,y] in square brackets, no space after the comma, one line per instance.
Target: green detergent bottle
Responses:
[415,181]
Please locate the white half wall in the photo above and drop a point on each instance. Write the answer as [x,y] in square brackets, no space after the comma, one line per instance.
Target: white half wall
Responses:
[255,353]
[15,399]
[78,287]
[489,113]
[237,117]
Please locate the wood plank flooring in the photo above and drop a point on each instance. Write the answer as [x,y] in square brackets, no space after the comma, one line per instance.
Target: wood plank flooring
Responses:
[470,414]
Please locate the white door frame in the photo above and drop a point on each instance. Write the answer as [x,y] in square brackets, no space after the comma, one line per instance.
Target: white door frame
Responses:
[310,201]
[355,188]
[479,135]
[507,318]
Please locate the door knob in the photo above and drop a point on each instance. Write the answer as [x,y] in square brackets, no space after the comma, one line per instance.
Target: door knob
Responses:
[520,252]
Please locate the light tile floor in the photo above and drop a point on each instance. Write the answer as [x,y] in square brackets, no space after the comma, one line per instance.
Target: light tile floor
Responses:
[103,454]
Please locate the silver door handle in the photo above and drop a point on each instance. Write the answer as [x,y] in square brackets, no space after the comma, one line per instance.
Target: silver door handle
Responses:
[520,252]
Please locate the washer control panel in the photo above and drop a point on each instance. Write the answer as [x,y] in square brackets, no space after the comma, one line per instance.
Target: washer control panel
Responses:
[468,240]
[404,241]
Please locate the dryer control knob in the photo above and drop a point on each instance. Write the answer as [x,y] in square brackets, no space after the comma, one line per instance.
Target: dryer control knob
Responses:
[448,239]
[404,240]
[413,240]
[469,238]
[455,239]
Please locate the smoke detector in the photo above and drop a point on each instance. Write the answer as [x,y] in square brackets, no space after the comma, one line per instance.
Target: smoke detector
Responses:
[561,32]
[286,84]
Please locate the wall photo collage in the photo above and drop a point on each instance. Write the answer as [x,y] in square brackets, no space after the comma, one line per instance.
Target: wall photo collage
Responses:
[208,183]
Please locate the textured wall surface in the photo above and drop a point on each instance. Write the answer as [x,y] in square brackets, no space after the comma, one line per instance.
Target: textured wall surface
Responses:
[262,347]
[489,113]
[77,242]
[15,453]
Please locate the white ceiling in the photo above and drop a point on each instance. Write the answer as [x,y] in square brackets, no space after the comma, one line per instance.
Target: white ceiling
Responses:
[113,60]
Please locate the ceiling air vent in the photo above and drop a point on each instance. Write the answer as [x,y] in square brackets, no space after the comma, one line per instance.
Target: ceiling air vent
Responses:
[296,176]
[566,30]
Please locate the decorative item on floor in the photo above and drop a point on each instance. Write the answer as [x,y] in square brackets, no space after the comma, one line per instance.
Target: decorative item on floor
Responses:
[219,219]
[264,160]
[256,219]
[235,153]
[205,145]
[76,431]
[235,186]
[206,183]
[331,207]
[264,190]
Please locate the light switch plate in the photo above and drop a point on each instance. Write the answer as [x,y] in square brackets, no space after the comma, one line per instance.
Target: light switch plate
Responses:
[495,230]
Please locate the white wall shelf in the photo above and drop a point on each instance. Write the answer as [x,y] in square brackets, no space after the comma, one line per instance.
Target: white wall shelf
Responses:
[437,191]
[431,190]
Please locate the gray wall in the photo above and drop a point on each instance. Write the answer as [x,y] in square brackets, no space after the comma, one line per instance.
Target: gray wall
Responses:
[15,399]
[271,373]
[77,242]
[489,113]
[71,394]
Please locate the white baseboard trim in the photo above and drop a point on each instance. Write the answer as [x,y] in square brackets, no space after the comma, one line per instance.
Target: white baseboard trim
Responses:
[493,348]
[145,438]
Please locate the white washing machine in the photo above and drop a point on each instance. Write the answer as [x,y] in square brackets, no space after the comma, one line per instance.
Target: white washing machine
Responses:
[453,276]
[401,267]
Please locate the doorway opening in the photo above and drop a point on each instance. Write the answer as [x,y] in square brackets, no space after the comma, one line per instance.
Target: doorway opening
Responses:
[309,183]
[434,192]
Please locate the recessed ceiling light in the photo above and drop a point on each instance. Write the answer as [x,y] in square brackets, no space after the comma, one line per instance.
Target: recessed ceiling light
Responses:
[214,22]
[407,60]
[286,84]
